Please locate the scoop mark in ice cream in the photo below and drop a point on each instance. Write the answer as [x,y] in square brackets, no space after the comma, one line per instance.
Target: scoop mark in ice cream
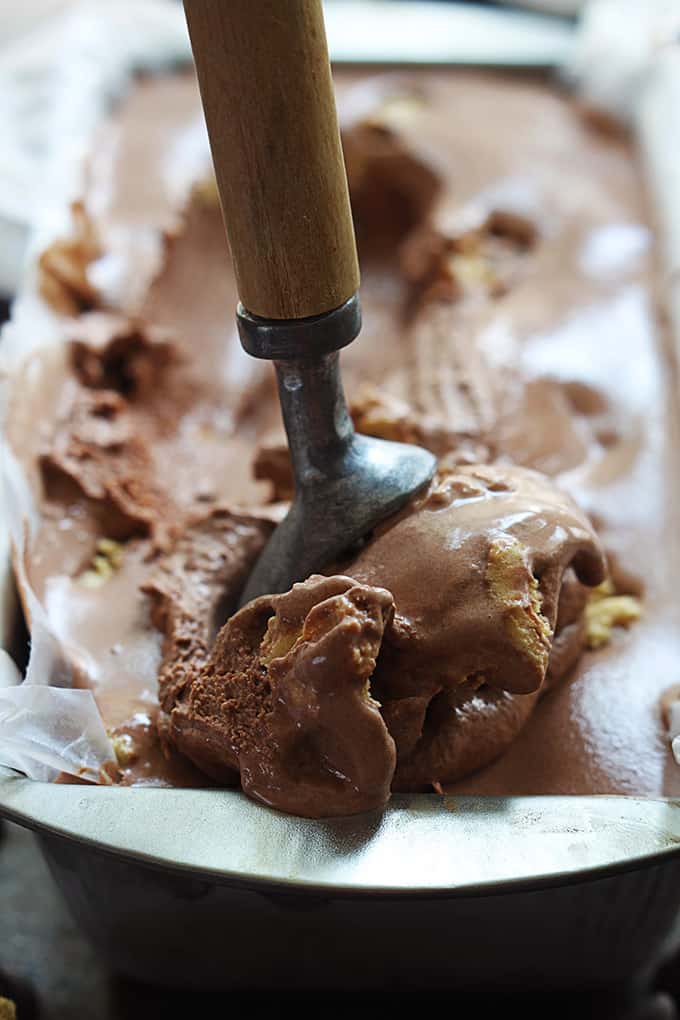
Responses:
[100,449]
[393,187]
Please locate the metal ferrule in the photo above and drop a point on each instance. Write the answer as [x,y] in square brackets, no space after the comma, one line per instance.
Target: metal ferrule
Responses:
[299,339]
[344,483]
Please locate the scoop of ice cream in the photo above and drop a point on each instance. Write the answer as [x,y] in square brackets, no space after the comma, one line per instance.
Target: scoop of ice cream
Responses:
[480,568]
[449,613]
[284,700]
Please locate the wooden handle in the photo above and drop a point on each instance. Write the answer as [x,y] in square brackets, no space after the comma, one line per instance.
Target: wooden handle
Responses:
[268,99]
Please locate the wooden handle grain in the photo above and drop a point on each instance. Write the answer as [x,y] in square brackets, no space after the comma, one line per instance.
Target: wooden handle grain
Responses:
[268,99]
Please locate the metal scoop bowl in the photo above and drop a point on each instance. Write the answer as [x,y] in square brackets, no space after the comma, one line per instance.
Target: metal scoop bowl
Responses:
[345,483]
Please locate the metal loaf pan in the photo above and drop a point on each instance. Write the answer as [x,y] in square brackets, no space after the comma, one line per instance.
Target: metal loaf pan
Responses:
[205,888]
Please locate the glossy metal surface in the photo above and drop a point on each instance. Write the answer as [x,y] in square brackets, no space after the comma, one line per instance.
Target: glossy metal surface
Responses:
[419,844]
[299,339]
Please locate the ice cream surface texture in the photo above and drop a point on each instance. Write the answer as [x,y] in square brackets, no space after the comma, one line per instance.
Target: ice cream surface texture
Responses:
[509,327]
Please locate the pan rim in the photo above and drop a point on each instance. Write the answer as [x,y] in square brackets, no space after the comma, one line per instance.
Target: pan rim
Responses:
[580,838]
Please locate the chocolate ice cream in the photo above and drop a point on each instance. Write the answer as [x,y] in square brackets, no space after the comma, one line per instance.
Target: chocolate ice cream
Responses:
[505,304]
[447,616]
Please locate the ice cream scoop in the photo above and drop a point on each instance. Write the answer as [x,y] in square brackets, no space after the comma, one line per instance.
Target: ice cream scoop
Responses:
[268,99]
